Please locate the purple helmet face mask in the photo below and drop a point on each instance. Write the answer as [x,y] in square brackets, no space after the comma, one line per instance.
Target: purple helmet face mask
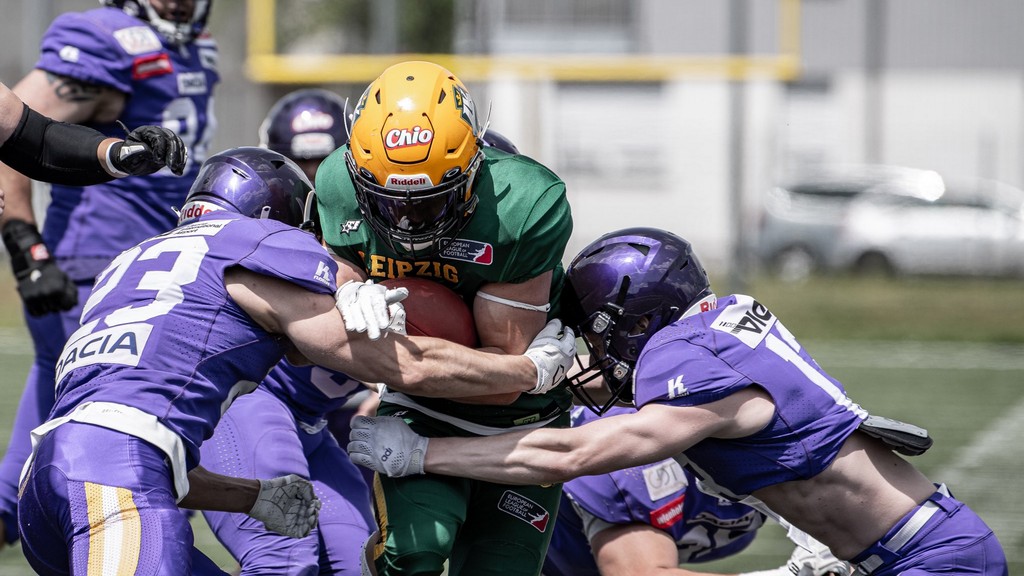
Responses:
[176,32]
[623,288]
[251,181]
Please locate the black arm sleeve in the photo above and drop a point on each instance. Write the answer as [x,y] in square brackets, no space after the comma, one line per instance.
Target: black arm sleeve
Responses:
[50,151]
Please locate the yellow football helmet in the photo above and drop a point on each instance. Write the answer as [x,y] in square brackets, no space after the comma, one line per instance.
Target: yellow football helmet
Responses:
[413,154]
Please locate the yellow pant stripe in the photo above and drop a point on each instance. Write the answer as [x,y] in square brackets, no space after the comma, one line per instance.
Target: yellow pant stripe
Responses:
[382,516]
[115,531]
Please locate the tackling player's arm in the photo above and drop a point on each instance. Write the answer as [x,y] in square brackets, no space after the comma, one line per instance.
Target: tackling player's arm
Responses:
[212,491]
[549,455]
[417,365]
[287,504]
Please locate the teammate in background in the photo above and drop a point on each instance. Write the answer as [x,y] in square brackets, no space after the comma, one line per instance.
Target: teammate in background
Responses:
[280,428]
[140,62]
[651,519]
[415,194]
[176,329]
[42,149]
[722,383]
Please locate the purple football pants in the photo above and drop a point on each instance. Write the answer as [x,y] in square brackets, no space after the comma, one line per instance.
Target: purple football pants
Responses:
[942,536]
[97,500]
[258,438]
[49,333]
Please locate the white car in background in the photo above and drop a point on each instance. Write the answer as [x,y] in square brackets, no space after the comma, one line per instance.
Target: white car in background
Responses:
[801,218]
[967,227]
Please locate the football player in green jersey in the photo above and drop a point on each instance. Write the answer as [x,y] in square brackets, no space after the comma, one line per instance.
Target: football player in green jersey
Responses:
[414,193]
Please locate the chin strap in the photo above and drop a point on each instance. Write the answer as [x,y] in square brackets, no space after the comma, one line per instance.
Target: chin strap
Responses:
[514,304]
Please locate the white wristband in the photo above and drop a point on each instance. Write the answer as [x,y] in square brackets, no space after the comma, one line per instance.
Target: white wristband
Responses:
[109,164]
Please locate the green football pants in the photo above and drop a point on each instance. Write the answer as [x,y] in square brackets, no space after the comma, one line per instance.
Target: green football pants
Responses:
[480,528]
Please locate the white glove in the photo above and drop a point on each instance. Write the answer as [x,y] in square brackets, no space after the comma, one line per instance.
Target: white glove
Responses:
[552,355]
[386,445]
[368,307]
[820,562]
[287,505]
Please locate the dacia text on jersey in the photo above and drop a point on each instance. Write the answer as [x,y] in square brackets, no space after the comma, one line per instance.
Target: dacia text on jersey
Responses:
[121,345]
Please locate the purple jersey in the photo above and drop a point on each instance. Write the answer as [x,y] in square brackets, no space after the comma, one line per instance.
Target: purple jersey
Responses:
[160,333]
[167,86]
[661,495]
[310,392]
[710,355]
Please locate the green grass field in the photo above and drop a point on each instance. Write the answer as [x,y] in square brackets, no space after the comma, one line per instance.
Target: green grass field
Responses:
[947,355]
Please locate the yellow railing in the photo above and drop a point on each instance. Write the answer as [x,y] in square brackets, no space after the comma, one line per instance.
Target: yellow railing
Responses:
[264,64]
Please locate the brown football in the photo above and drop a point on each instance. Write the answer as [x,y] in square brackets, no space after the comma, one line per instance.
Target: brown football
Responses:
[433,309]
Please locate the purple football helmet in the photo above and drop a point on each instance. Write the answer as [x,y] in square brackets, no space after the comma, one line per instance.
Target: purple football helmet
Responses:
[619,291]
[306,124]
[251,181]
[499,141]
[176,29]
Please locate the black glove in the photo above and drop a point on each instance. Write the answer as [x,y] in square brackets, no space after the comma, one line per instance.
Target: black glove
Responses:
[148,149]
[42,285]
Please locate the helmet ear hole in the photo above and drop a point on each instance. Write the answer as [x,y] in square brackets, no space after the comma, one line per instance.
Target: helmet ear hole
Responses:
[641,325]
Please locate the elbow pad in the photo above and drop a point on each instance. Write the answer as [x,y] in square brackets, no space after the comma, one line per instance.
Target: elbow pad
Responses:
[57,152]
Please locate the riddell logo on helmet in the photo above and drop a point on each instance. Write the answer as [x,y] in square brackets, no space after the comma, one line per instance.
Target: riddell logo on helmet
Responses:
[411,181]
[404,138]
[195,209]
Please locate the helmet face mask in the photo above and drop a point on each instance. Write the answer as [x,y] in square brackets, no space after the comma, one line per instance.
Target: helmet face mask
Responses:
[616,374]
[620,290]
[251,181]
[416,222]
[413,155]
[177,32]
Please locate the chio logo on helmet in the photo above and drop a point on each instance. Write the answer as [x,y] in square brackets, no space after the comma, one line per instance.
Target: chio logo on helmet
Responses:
[310,120]
[403,138]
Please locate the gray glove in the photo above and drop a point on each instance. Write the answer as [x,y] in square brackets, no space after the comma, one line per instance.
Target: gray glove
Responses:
[287,505]
[552,351]
[386,445]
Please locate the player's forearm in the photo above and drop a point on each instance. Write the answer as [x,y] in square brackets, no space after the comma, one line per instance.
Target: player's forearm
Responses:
[211,491]
[450,370]
[51,151]
[529,457]
[424,366]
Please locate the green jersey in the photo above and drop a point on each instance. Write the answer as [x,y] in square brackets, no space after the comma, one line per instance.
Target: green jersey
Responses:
[518,231]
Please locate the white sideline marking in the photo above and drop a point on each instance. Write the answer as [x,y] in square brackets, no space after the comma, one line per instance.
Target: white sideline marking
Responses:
[985,472]
[930,355]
